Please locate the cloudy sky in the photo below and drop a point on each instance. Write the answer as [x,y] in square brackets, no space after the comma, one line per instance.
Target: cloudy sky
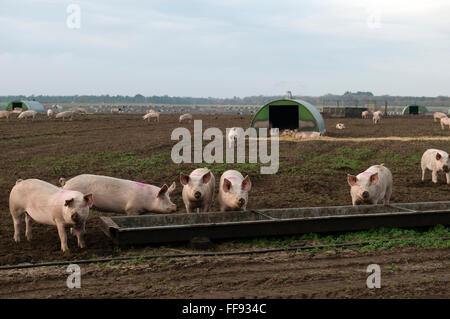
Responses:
[225,48]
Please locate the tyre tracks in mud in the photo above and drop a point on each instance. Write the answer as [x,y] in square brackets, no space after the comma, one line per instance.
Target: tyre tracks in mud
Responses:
[409,272]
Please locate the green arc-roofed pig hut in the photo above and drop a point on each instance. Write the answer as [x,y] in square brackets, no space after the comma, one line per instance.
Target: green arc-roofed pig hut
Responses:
[414,109]
[26,105]
[289,114]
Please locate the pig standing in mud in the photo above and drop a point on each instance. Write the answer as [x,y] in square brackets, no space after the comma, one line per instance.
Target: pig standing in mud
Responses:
[445,121]
[50,205]
[371,186]
[64,115]
[4,114]
[186,117]
[365,114]
[435,161]
[49,113]
[151,115]
[376,117]
[26,114]
[233,191]
[121,195]
[198,189]
[438,115]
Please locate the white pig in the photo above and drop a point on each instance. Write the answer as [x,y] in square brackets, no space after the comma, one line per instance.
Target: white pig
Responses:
[376,117]
[115,111]
[371,186]
[435,161]
[81,110]
[47,204]
[151,115]
[307,134]
[233,191]
[123,196]
[186,117]
[4,114]
[64,115]
[198,189]
[438,115]
[445,121]
[365,114]
[27,114]
[340,126]
[49,113]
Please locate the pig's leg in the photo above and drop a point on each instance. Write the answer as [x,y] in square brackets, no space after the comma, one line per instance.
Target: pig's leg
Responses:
[434,176]
[17,220]
[423,172]
[80,236]
[62,235]
[28,231]
[447,175]
[387,196]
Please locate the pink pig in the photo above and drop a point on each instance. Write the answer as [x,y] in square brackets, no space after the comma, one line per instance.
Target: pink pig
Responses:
[123,196]
[47,204]
[186,117]
[198,189]
[371,186]
[233,191]
[435,161]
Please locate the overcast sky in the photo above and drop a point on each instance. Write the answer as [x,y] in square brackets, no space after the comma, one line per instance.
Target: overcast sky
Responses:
[225,48]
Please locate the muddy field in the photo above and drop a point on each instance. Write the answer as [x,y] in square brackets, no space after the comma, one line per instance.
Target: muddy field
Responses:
[311,173]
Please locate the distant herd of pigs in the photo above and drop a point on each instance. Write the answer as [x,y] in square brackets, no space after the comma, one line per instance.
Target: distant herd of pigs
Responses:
[68,206]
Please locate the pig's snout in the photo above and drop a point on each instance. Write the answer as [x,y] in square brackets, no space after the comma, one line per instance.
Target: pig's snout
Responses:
[365,195]
[197,195]
[241,202]
[445,168]
[76,218]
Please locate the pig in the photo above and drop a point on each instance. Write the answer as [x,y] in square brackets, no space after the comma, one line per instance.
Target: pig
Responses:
[307,134]
[49,113]
[115,111]
[5,114]
[438,115]
[123,196]
[17,110]
[64,115]
[365,114]
[445,121]
[371,186]
[151,115]
[81,110]
[376,117]
[435,161]
[340,126]
[27,114]
[186,117]
[198,190]
[47,204]
[233,191]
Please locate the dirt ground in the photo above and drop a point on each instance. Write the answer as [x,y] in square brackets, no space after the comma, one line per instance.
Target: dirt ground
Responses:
[311,173]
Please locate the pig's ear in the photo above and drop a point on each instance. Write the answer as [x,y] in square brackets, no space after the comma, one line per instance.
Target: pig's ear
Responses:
[226,185]
[206,178]
[351,179]
[246,183]
[172,188]
[438,156]
[163,190]
[184,179]
[68,202]
[374,178]
[89,200]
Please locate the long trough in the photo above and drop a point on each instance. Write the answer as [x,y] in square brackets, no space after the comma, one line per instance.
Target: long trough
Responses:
[146,229]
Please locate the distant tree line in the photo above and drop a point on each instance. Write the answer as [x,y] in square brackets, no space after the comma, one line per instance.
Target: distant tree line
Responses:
[348,98]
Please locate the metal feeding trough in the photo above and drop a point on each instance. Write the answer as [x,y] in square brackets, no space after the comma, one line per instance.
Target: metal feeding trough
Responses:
[145,229]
